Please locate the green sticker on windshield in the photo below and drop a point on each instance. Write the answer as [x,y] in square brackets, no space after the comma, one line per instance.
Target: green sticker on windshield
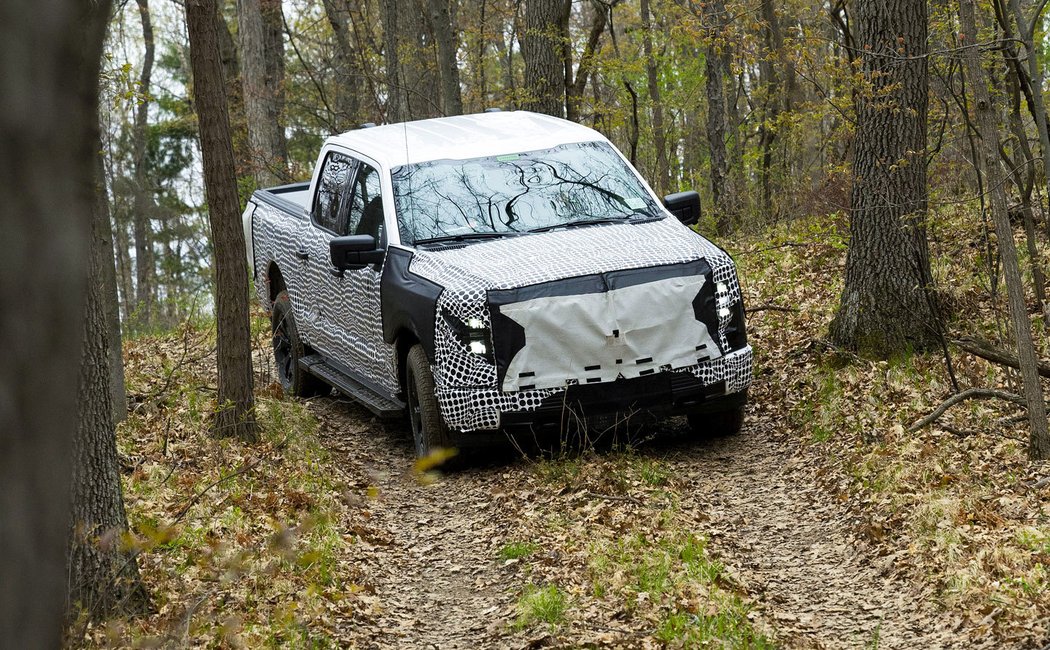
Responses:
[508,157]
[635,203]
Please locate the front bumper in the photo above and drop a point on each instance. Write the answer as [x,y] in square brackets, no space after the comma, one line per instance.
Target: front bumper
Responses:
[712,385]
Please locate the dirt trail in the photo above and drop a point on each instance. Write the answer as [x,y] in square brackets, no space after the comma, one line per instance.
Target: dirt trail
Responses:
[429,550]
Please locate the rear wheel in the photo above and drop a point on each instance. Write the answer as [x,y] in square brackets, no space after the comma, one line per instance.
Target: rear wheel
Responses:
[429,431]
[719,423]
[288,348]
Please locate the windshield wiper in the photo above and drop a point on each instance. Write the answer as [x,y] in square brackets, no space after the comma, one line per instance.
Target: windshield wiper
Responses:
[637,217]
[467,236]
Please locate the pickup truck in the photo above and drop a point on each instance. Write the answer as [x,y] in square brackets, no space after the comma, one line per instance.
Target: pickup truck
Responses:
[496,271]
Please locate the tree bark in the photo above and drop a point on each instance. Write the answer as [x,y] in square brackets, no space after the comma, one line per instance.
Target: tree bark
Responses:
[1026,30]
[448,66]
[347,104]
[145,266]
[773,41]
[235,410]
[663,179]
[50,52]
[988,160]
[886,305]
[541,50]
[268,162]
[583,71]
[104,241]
[395,102]
[717,67]
[103,577]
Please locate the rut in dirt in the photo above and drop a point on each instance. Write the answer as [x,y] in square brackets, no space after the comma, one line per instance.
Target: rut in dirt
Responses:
[429,551]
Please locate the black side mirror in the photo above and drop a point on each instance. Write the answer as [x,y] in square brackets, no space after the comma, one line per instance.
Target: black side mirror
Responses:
[355,252]
[685,206]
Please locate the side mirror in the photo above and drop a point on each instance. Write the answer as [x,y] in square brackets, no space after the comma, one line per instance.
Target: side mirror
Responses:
[355,252]
[685,206]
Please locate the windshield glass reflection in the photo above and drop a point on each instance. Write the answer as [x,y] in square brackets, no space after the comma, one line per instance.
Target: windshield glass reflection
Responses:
[516,193]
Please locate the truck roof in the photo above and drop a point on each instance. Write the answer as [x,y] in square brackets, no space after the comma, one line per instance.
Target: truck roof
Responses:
[463,137]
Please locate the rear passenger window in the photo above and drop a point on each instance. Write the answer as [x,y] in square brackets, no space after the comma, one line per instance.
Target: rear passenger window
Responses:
[329,207]
[366,204]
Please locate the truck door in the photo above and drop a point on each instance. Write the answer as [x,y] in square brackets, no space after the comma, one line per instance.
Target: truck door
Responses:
[345,305]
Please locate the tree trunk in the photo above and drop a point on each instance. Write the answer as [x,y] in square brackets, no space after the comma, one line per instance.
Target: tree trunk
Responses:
[104,242]
[448,66]
[886,302]
[583,71]
[988,160]
[347,104]
[269,165]
[273,52]
[49,127]
[1035,71]
[714,13]
[773,41]
[663,180]
[103,577]
[422,94]
[235,410]
[395,102]
[145,267]
[541,50]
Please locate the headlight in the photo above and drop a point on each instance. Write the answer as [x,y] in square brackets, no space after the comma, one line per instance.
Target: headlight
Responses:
[473,334]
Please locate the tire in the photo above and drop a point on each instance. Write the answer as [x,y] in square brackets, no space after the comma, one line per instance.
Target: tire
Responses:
[429,431]
[288,348]
[719,423]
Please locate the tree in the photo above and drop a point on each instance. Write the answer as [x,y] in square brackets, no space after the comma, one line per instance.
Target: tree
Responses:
[102,575]
[347,103]
[663,179]
[235,415]
[262,71]
[396,103]
[102,237]
[546,23]
[447,65]
[49,126]
[987,159]
[145,268]
[717,68]
[887,302]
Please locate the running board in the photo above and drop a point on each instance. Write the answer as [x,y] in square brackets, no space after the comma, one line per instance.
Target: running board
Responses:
[384,407]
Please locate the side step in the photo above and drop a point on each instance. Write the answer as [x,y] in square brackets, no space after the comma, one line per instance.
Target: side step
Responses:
[383,406]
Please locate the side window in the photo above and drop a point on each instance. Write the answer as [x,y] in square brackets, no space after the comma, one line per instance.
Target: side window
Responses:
[329,209]
[366,204]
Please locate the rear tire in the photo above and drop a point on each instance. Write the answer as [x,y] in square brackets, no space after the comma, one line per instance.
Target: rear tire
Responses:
[429,431]
[719,423]
[288,348]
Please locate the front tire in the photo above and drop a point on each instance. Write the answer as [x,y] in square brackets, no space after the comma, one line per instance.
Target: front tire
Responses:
[429,431]
[288,348]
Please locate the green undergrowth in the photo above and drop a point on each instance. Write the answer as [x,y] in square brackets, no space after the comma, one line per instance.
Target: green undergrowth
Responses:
[239,544]
[951,499]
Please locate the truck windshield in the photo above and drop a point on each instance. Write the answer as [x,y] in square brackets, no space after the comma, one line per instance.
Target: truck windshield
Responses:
[578,183]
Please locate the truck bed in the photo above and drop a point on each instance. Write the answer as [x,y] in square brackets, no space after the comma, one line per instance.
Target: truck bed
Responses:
[293,198]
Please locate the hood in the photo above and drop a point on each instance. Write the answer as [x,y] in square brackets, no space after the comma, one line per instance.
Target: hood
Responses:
[543,257]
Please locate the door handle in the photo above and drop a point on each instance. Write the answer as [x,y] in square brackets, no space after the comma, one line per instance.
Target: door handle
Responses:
[302,254]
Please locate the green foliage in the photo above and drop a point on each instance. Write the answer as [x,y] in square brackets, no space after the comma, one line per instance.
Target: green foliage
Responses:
[542,605]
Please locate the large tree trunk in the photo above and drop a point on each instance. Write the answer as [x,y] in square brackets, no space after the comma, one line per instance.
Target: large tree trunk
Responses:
[717,68]
[103,577]
[145,267]
[988,161]
[235,415]
[773,42]
[49,127]
[887,302]
[448,66]
[586,67]
[347,102]
[541,49]
[268,159]
[103,239]
[663,179]
[422,94]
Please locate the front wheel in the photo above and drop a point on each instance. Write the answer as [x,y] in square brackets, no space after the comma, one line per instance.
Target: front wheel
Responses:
[429,431]
[288,348]
[719,423]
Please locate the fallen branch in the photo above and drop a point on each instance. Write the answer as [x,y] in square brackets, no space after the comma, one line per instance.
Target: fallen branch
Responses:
[970,393]
[992,352]
[758,308]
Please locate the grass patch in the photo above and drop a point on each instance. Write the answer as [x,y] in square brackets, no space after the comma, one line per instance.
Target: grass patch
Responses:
[542,605]
[517,550]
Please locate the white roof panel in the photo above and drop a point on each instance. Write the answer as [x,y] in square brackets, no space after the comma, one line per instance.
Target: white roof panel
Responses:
[463,137]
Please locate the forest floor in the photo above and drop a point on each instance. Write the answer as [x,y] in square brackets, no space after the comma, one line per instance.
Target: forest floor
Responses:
[824,524]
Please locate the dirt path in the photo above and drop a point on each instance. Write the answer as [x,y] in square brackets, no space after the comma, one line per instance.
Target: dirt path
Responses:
[429,550]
